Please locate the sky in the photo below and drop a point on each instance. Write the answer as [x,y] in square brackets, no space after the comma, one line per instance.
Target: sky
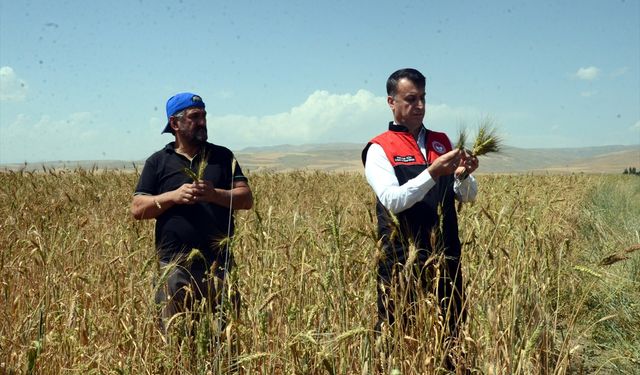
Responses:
[89,80]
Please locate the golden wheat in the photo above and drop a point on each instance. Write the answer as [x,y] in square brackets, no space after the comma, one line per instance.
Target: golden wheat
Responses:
[78,275]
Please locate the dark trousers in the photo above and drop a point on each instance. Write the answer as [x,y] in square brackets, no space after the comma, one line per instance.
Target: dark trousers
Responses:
[399,288]
[181,288]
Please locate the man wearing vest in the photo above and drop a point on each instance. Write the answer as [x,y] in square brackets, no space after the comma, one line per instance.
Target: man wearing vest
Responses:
[417,176]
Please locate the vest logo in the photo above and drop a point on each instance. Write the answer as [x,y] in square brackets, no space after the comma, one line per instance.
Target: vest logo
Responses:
[439,147]
[404,159]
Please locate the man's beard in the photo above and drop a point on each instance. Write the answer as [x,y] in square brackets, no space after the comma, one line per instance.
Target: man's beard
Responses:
[197,137]
[200,136]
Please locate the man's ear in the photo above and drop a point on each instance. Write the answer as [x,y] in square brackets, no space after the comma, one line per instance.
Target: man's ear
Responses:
[390,101]
[173,123]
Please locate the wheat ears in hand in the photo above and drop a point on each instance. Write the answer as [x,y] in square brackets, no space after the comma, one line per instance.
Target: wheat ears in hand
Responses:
[487,139]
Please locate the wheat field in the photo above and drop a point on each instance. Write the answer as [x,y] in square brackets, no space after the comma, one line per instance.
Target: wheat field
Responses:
[551,271]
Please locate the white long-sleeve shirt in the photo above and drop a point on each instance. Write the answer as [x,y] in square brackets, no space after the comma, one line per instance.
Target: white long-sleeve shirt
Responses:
[397,198]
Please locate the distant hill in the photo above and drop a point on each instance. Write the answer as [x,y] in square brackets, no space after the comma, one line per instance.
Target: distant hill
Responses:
[605,159]
[122,165]
[346,157]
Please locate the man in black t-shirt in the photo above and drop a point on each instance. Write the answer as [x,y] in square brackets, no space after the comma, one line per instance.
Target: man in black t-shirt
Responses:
[194,217]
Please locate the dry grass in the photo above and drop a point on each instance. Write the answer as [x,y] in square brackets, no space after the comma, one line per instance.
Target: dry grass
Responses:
[77,280]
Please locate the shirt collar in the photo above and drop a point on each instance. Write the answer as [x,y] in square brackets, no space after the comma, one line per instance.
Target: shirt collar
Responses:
[401,128]
[422,135]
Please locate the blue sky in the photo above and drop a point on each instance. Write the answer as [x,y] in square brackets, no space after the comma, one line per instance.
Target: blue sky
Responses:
[87,80]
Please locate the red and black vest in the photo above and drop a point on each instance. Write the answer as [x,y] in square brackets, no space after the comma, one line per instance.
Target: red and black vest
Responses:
[435,213]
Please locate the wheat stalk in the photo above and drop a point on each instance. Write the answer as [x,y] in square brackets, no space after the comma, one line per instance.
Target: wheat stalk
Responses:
[462,138]
[191,174]
[486,141]
[202,165]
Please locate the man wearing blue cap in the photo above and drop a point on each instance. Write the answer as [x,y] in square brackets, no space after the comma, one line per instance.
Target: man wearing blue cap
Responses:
[194,217]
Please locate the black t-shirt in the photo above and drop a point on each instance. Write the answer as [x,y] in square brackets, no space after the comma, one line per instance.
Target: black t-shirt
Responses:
[202,226]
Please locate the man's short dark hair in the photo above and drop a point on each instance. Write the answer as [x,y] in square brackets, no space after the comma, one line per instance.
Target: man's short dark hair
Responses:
[409,73]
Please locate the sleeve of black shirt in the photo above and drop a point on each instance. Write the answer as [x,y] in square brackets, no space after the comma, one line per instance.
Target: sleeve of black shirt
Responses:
[148,182]
[237,174]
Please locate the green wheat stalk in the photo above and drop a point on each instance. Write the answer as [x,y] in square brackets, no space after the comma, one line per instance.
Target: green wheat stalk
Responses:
[462,139]
[487,140]
[202,165]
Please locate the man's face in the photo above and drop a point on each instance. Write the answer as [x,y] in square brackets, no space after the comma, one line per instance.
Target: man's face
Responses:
[192,126]
[408,105]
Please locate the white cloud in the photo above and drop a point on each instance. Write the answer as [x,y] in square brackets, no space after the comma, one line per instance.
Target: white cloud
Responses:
[47,138]
[587,74]
[636,126]
[322,118]
[589,93]
[325,117]
[12,88]
[77,136]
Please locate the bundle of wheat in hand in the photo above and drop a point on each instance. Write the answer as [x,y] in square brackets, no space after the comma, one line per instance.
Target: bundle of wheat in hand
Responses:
[487,140]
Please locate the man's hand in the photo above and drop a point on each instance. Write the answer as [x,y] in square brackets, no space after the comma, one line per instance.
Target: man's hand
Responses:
[186,194]
[149,207]
[468,164]
[446,164]
[204,191]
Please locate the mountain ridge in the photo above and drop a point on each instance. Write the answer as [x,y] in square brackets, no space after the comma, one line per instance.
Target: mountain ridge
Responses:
[347,157]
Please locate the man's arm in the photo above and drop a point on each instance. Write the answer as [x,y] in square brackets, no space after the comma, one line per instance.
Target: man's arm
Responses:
[380,175]
[238,198]
[151,206]
[382,178]
[144,206]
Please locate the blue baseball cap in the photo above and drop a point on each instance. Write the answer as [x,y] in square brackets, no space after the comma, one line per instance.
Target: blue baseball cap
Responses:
[181,101]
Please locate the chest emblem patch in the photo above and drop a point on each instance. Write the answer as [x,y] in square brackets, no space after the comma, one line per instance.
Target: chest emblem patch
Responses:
[439,147]
[404,159]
